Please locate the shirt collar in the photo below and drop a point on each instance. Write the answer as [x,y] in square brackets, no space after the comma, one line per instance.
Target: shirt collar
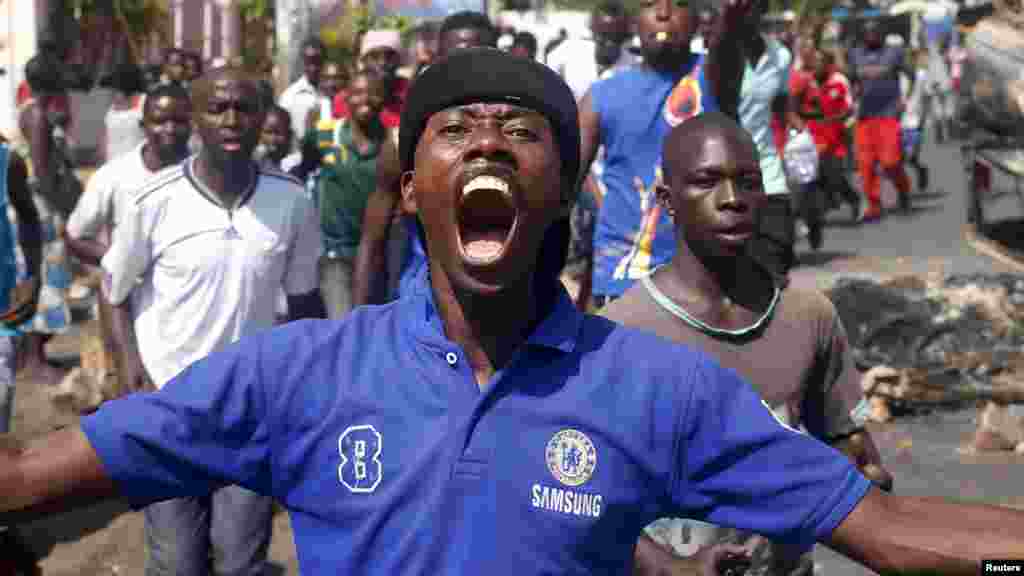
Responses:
[772,55]
[200,187]
[304,85]
[345,140]
[560,330]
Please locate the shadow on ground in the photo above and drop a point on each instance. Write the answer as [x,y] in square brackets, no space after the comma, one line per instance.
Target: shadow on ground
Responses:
[822,257]
[105,553]
[43,535]
[891,213]
[930,195]
[1009,233]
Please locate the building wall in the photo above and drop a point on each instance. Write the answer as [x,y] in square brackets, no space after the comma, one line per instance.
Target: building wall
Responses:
[210,27]
[17,45]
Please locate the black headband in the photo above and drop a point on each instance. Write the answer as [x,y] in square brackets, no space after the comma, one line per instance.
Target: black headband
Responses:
[490,75]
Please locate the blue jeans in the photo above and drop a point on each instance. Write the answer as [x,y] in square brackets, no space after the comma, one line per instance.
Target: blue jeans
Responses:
[7,372]
[232,523]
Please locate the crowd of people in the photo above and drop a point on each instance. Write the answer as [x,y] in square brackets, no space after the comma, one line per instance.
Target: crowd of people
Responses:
[430,216]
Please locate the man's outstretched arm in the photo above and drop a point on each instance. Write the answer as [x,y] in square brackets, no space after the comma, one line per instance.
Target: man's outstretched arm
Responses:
[50,474]
[911,535]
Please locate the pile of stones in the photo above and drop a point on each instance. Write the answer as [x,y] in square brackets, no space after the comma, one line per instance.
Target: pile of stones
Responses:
[939,342]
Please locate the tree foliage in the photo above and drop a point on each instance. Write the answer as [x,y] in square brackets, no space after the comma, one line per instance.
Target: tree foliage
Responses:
[137,19]
[801,7]
[341,37]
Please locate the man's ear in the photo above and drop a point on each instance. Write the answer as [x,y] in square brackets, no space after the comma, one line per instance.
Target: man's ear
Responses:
[664,195]
[409,204]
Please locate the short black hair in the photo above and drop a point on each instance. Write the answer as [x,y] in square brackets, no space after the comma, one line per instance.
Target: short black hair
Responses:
[470,20]
[694,129]
[527,41]
[313,42]
[175,51]
[127,78]
[613,8]
[427,30]
[164,90]
[43,74]
[197,58]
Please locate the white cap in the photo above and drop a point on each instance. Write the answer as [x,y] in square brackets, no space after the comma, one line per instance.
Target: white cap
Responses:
[375,39]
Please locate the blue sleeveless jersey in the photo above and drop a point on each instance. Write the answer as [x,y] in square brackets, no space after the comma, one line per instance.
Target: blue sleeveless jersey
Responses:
[637,108]
[8,260]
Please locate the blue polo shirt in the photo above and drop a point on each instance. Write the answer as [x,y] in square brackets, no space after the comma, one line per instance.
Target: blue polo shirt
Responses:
[373,433]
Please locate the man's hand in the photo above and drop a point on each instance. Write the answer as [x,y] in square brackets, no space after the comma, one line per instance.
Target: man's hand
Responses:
[590,187]
[735,13]
[23,299]
[861,450]
[132,374]
[721,560]
[653,559]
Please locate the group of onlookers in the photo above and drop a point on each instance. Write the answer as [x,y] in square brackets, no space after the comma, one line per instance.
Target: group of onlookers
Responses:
[208,227]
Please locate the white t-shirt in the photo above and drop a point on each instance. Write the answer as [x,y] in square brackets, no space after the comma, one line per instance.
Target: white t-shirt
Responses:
[574,61]
[124,131]
[101,206]
[201,276]
[298,99]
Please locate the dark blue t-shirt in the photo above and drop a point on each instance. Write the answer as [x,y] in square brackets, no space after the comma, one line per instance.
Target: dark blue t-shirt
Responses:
[637,107]
[878,72]
[374,434]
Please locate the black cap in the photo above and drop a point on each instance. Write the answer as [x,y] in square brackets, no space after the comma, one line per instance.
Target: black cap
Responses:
[491,75]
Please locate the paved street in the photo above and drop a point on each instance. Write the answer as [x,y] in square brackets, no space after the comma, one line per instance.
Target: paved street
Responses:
[931,236]
[922,453]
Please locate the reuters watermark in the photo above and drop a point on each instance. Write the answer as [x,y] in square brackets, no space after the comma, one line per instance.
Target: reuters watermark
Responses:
[1002,567]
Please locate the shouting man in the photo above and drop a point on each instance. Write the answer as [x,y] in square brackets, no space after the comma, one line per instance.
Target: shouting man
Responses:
[482,424]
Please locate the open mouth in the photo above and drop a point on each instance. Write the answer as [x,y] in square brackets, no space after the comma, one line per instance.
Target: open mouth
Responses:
[661,36]
[231,142]
[487,217]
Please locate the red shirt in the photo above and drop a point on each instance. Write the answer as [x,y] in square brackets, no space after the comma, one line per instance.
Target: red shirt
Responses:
[390,115]
[60,103]
[831,98]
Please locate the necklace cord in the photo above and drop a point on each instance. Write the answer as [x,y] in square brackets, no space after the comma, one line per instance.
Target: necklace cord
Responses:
[678,311]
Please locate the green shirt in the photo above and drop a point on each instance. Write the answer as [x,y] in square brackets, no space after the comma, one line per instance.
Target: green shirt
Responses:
[347,178]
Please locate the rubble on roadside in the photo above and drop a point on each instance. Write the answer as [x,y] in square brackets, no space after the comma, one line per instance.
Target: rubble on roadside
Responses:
[927,343]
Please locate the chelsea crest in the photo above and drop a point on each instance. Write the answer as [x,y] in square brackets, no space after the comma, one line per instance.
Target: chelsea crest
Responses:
[571,457]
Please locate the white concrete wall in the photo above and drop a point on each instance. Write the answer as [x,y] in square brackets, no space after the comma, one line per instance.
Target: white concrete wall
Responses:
[545,25]
[18,36]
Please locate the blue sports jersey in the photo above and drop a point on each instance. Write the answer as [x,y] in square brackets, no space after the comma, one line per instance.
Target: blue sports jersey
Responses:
[8,238]
[637,107]
[373,433]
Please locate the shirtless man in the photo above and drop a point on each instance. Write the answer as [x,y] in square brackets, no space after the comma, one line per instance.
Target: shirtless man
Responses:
[788,342]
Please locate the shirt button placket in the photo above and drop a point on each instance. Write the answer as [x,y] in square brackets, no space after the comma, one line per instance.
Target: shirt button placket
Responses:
[452,358]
